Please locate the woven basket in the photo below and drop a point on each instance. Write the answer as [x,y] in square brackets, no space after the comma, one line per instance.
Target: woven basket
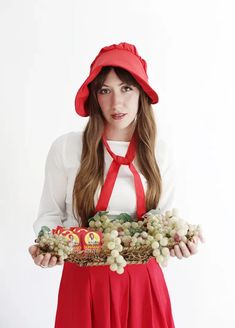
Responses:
[132,255]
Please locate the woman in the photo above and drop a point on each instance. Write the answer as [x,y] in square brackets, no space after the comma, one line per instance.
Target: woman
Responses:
[115,165]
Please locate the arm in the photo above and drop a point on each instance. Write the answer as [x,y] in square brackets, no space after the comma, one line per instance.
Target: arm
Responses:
[52,204]
[51,210]
[166,165]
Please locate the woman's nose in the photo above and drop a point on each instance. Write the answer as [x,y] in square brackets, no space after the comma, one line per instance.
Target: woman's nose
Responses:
[116,99]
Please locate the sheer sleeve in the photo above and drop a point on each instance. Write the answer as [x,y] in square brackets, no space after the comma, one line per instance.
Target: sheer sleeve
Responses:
[165,160]
[51,210]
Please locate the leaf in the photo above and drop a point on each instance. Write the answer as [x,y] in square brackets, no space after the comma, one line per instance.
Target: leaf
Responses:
[102,213]
[97,215]
[134,230]
[125,217]
[91,219]
[154,211]
[44,229]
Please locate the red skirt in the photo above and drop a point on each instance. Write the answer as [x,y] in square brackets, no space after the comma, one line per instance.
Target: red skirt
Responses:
[96,297]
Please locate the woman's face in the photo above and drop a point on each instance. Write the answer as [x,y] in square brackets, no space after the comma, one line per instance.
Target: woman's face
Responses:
[118,102]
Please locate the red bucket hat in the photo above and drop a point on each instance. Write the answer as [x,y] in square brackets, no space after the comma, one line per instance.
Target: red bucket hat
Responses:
[123,55]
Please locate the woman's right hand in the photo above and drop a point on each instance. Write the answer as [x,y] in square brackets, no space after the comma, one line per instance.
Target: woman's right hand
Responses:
[44,260]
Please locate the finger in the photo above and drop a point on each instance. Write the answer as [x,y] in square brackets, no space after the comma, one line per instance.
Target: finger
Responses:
[172,252]
[184,249]
[201,237]
[178,252]
[192,247]
[33,250]
[38,259]
[195,239]
[52,261]
[46,259]
[60,261]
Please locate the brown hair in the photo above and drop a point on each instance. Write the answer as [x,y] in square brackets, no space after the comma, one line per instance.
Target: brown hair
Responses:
[91,173]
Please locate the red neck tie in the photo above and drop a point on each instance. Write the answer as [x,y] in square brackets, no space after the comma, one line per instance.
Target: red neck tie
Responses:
[109,182]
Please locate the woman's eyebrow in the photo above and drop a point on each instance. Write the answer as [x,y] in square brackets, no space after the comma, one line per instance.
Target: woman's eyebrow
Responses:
[106,85]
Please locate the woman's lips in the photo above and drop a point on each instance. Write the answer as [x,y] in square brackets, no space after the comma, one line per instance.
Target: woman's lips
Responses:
[118,116]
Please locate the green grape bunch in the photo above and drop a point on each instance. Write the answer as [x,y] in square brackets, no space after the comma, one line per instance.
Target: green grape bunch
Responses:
[160,232]
[57,245]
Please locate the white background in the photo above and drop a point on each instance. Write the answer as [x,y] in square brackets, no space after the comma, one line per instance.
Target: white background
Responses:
[46,49]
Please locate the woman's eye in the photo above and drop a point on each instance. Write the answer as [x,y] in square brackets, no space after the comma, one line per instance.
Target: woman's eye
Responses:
[103,91]
[127,88]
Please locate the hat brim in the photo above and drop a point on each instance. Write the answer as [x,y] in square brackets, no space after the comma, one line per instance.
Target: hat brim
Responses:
[121,59]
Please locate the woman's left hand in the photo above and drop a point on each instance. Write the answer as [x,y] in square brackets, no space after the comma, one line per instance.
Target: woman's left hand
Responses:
[188,248]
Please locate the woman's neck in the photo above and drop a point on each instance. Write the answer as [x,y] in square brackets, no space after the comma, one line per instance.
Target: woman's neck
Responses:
[118,134]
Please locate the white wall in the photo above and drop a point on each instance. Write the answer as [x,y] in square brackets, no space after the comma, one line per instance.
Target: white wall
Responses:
[46,50]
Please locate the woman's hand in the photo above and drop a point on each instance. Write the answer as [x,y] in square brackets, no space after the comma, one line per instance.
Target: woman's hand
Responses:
[43,260]
[188,248]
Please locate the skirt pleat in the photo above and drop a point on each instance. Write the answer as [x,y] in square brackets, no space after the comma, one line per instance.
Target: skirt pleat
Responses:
[96,297]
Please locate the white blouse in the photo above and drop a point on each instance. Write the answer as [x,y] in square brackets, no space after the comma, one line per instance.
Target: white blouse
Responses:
[62,165]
